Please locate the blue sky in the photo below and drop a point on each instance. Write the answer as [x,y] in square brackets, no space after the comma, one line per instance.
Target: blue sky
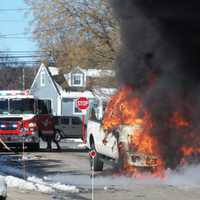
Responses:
[12,22]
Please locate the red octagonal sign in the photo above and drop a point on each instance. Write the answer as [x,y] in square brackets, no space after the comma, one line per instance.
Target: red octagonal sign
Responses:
[82,103]
[93,153]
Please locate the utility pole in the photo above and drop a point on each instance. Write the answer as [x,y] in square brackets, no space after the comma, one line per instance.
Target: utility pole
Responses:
[23,79]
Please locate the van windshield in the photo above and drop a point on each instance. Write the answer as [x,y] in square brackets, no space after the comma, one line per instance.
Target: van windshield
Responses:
[21,106]
[3,106]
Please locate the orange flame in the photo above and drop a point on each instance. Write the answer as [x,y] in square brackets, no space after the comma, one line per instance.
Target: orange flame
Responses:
[122,109]
[188,151]
[125,108]
[179,121]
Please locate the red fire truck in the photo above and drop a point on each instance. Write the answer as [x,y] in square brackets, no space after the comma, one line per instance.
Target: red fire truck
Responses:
[23,119]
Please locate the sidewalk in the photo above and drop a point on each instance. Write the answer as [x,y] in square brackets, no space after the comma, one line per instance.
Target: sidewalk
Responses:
[16,194]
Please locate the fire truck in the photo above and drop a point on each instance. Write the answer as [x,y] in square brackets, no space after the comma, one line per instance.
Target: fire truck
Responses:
[23,119]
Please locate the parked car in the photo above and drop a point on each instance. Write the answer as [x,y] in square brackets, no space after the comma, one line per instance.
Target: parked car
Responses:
[67,127]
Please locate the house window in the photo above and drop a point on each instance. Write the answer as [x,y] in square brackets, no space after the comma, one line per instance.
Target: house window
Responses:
[77,79]
[42,79]
[76,111]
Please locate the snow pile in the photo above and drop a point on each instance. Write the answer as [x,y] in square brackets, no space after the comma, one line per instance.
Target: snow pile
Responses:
[37,184]
[32,182]
[19,183]
[54,186]
[66,188]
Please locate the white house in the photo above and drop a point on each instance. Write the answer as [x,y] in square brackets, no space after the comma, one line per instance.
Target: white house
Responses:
[63,101]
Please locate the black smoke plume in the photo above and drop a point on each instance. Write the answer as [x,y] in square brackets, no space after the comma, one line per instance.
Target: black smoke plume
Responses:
[160,58]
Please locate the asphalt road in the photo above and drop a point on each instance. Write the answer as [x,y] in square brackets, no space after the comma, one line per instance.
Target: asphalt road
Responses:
[71,166]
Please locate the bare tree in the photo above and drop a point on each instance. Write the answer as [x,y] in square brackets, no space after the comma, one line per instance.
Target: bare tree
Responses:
[78,32]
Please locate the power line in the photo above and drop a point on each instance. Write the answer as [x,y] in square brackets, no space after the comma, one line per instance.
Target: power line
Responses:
[20,51]
[20,61]
[23,38]
[12,34]
[25,56]
[13,9]
[12,21]
[36,31]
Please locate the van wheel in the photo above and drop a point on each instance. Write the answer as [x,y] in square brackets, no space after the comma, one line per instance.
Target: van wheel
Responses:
[96,161]
[33,147]
[57,136]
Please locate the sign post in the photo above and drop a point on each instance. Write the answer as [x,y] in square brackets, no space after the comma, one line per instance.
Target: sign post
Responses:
[83,104]
[92,154]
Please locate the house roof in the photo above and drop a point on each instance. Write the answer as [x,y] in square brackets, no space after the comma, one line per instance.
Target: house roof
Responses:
[103,93]
[99,73]
[77,69]
[42,66]
[54,71]
[100,93]
[94,73]
[74,94]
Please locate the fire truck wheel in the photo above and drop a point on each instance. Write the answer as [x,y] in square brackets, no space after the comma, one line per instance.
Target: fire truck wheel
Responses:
[57,136]
[33,147]
[96,161]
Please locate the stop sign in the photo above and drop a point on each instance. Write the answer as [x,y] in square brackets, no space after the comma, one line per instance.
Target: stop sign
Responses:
[82,103]
[93,153]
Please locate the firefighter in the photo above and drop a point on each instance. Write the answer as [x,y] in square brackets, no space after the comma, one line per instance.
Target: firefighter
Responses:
[56,141]
[50,139]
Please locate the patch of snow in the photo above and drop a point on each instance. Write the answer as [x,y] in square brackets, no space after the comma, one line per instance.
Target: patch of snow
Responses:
[103,93]
[96,73]
[66,188]
[19,183]
[54,186]
[44,188]
[54,71]
[37,184]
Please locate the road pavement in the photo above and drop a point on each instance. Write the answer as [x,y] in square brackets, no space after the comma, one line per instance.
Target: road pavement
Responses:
[71,167]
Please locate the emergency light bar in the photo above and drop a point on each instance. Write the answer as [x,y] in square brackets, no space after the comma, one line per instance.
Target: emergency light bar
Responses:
[13,92]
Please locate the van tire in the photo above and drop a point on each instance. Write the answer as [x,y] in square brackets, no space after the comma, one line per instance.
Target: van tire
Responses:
[97,162]
[33,147]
